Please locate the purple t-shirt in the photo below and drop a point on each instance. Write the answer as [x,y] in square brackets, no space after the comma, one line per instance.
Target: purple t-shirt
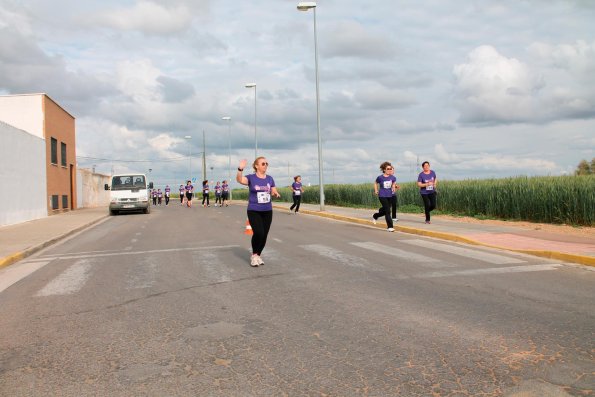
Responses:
[386,185]
[218,189]
[425,178]
[297,188]
[260,193]
[225,187]
[189,188]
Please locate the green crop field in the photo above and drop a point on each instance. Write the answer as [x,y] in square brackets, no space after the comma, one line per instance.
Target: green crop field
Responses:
[559,199]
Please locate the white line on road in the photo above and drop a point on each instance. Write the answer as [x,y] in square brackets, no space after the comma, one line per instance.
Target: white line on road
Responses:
[493,270]
[15,273]
[339,256]
[466,252]
[422,260]
[99,254]
[277,240]
[69,281]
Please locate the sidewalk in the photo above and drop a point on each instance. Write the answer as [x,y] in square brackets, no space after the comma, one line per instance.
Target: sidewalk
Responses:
[554,245]
[21,240]
[24,239]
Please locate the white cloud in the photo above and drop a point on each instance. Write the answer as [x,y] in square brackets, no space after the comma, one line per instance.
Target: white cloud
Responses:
[352,39]
[493,88]
[148,17]
[444,156]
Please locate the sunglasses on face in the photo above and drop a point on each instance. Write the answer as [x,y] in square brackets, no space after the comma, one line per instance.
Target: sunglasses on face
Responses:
[264,163]
[388,168]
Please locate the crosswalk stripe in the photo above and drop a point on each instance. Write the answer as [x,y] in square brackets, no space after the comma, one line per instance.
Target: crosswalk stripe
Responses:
[339,256]
[493,270]
[466,252]
[69,281]
[214,268]
[15,273]
[422,260]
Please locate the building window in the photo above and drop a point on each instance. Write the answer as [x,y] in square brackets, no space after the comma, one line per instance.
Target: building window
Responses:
[55,204]
[63,153]
[64,202]
[54,151]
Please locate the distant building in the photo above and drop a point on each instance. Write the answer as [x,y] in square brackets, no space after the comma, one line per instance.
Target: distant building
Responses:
[40,116]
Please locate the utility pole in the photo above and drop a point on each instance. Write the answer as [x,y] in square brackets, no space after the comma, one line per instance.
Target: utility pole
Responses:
[204,160]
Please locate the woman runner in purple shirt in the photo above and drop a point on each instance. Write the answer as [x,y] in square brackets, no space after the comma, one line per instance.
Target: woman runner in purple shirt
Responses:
[297,191]
[427,182]
[182,194]
[384,187]
[260,209]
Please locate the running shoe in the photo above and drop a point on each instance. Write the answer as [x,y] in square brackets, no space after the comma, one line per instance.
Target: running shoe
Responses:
[260,261]
[254,260]
[390,229]
[428,222]
[373,219]
[395,219]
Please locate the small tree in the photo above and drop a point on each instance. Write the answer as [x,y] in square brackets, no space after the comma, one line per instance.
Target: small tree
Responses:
[583,168]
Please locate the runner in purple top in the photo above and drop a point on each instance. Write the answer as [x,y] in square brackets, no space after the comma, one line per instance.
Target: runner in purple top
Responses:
[189,193]
[167,193]
[427,183]
[218,194]
[384,186]
[159,196]
[260,209]
[224,193]
[182,194]
[154,195]
[205,193]
[297,191]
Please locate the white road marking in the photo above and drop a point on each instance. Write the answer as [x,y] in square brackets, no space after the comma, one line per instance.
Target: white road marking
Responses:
[69,281]
[493,270]
[133,240]
[422,260]
[339,256]
[143,275]
[215,269]
[278,240]
[466,252]
[99,254]
[15,273]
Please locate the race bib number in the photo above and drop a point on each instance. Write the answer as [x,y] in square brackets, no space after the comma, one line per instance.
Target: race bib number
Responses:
[430,188]
[297,192]
[263,197]
[388,184]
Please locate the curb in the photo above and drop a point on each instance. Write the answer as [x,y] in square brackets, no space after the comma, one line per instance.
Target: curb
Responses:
[17,256]
[580,259]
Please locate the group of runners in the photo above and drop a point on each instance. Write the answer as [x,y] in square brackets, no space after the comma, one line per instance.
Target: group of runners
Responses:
[221,194]
[261,187]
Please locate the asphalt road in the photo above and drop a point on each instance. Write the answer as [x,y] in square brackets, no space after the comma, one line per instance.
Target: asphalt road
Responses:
[166,304]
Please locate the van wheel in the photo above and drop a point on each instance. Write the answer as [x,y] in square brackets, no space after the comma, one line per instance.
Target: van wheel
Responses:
[113,212]
[147,210]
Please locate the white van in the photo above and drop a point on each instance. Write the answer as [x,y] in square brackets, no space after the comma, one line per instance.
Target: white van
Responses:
[129,192]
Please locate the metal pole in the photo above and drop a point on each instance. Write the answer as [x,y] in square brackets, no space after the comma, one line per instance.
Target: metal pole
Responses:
[318,117]
[189,163]
[204,160]
[255,136]
[229,164]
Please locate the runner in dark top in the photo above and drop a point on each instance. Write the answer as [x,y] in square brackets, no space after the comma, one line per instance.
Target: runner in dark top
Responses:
[427,183]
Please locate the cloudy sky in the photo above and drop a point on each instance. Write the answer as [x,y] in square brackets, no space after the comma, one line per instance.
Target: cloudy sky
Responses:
[479,88]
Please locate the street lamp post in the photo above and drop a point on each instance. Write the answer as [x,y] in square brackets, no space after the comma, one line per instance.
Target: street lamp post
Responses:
[253,85]
[305,6]
[204,159]
[188,137]
[228,119]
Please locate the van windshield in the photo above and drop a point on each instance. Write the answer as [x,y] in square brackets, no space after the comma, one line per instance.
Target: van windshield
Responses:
[127,182]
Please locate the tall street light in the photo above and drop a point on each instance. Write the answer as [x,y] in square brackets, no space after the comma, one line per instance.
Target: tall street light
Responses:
[188,137]
[228,119]
[253,85]
[305,6]
[204,159]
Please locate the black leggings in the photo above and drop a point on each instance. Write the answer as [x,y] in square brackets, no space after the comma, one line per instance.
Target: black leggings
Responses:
[296,203]
[429,204]
[205,196]
[217,198]
[166,200]
[260,221]
[385,210]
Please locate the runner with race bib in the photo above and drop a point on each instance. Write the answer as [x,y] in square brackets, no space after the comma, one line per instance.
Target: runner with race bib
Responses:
[297,191]
[260,209]
[427,182]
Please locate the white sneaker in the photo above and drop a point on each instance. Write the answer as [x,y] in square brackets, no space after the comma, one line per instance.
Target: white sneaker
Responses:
[260,261]
[373,220]
[395,219]
[254,260]
[390,229]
